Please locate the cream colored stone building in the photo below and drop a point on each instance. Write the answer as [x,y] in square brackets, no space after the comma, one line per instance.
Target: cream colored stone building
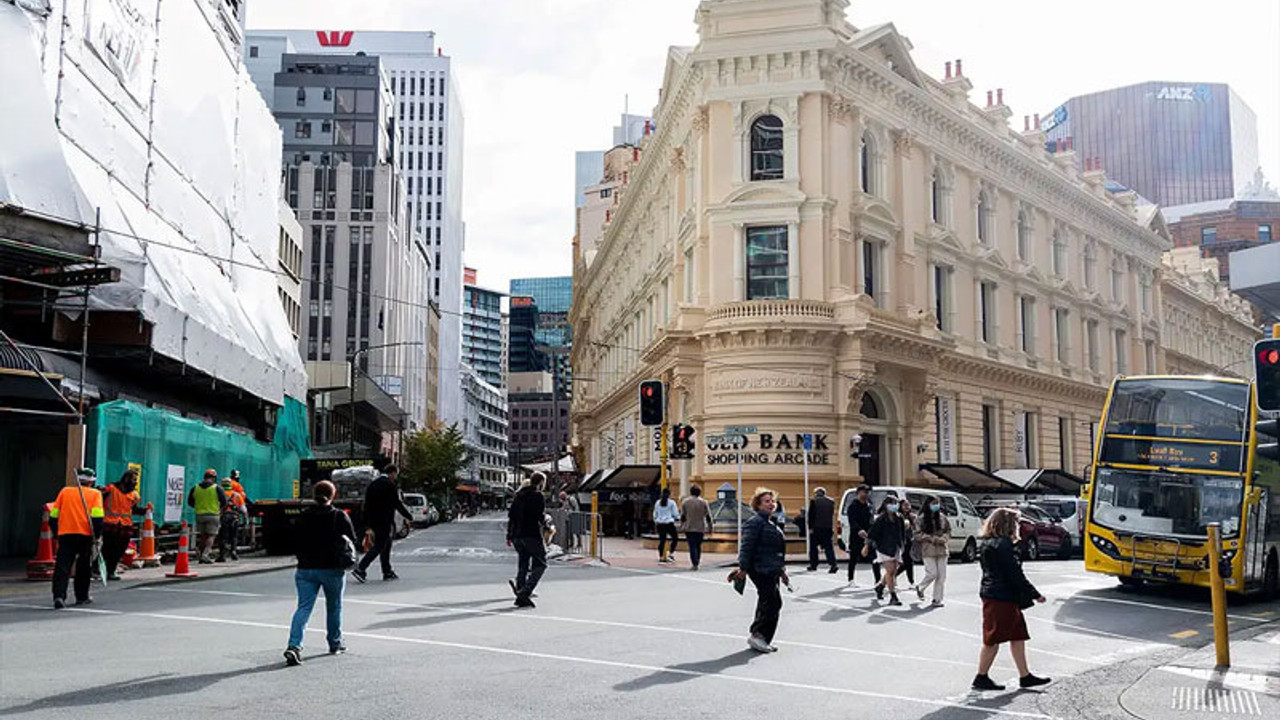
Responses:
[1207,330]
[820,237]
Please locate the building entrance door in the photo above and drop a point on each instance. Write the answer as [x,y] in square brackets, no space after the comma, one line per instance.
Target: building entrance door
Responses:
[869,459]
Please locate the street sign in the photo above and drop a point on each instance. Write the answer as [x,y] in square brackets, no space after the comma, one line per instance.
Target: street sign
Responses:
[808,441]
[739,430]
[728,441]
[175,481]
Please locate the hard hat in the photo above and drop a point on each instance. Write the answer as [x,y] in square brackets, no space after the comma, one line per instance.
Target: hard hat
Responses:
[87,475]
[235,474]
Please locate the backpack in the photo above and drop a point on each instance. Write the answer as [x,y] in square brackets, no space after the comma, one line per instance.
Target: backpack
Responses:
[344,549]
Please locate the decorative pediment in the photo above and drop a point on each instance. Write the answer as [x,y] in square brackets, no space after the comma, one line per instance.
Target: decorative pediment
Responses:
[990,256]
[871,215]
[779,192]
[886,45]
[946,237]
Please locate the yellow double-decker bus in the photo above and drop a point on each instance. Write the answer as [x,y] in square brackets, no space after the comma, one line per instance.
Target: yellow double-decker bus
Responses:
[1172,455]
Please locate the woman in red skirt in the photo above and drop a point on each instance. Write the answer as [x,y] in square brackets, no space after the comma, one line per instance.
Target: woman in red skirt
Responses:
[1005,592]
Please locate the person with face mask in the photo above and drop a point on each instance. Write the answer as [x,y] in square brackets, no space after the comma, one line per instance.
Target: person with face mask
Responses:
[933,531]
[888,536]
[120,503]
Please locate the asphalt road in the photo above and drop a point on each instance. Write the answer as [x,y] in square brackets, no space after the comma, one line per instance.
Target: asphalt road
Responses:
[444,642]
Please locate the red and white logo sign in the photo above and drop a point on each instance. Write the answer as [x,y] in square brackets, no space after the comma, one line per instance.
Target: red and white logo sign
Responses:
[334,38]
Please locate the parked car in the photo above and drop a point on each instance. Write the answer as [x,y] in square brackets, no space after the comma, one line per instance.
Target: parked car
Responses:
[1041,535]
[1070,511]
[963,516]
[420,509]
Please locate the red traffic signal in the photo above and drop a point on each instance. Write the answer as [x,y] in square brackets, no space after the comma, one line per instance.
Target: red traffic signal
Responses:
[1269,357]
[653,409]
[1266,373]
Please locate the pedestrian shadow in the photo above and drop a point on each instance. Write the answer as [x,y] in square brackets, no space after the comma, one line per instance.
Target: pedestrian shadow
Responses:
[975,704]
[684,672]
[143,688]
[460,605]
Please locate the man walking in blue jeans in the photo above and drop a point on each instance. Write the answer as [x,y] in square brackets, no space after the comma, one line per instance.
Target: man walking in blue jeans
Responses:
[524,533]
[320,531]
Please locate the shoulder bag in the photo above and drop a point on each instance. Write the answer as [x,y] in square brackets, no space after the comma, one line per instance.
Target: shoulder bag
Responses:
[344,549]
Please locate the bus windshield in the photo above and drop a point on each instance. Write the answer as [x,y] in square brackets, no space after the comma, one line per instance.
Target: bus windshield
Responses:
[1159,503]
[1179,408]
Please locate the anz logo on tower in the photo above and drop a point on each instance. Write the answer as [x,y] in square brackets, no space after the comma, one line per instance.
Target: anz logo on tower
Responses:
[1185,93]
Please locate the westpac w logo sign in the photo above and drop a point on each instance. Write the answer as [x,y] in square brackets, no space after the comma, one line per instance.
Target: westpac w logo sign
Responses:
[334,38]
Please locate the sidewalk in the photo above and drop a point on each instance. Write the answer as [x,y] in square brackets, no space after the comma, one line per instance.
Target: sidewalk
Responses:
[622,552]
[1191,686]
[14,582]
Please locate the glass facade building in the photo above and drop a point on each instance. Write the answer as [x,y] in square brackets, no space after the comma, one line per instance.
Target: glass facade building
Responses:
[552,296]
[1173,143]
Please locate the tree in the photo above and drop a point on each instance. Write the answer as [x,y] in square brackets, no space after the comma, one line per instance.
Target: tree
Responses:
[432,459]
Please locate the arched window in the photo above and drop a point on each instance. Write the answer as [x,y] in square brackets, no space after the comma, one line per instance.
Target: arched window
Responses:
[1024,236]
[866,163]
[766,148]
[984,218]
[870,409]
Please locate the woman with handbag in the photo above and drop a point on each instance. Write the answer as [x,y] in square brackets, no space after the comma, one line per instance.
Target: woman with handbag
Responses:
[762,556]
[1005,593]
[326,550]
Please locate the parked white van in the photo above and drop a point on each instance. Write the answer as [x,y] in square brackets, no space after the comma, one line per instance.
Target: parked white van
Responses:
[960,512]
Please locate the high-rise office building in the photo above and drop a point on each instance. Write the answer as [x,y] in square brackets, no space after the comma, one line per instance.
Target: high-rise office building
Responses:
[367,278]
[1173,143]
[482,330]
[429,115]
[552,296]
[523,354]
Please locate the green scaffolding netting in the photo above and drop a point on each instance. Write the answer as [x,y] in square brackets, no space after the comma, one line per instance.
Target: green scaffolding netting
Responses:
[123,432]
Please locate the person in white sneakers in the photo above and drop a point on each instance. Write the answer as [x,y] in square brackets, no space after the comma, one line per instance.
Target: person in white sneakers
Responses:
[666,514]
[932,532]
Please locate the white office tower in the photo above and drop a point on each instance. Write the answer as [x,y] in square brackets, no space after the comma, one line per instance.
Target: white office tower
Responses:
[429,115]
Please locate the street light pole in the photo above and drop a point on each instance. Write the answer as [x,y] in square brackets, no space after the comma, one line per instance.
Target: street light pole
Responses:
[351,386]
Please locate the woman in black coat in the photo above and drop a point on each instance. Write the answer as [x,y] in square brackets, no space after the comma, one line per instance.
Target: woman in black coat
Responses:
[1005,591]
[762,554]
[888,537]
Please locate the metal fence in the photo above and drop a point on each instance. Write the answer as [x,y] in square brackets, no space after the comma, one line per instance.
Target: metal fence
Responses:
[574,532]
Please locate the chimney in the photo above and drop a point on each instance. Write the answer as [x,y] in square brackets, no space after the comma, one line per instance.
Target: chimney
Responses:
[1000,96]
[648,127]
[439,52]
[959,69]
[1026,123]
[1088,164]
[1037,121]
[1097,163]
[948,69]
[988,98]
[1069,142]
[635,153]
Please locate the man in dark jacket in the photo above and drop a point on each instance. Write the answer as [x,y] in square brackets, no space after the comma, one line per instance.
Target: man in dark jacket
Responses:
[381,503]
[859,517]
[525,521]
[821,518]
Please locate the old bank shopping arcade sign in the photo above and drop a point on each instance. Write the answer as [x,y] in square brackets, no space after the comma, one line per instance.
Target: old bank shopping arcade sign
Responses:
[770,449]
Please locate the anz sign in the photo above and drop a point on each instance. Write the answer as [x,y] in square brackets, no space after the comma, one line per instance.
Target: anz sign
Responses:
[1185,93]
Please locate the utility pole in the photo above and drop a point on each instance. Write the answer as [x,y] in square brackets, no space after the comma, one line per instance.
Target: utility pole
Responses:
[351,385]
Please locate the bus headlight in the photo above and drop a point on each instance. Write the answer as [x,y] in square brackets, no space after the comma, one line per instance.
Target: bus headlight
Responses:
[1107,547]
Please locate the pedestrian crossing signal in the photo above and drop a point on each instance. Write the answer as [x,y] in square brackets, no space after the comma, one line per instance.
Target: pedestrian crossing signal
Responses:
[682,442]
[653,408]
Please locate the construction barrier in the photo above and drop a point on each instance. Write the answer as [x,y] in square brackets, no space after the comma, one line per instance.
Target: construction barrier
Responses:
[182,568]
[40,567]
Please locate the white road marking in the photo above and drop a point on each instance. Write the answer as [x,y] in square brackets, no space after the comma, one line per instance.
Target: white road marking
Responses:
[1158,606]
[586,621]
[864,611]
[586,661]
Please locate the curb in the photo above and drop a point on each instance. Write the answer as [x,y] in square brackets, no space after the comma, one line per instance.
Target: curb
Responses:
[199,578]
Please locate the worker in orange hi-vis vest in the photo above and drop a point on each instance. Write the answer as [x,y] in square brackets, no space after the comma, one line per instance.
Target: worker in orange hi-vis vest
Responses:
[235,485]
[233,516]
[120,503]
[77,519]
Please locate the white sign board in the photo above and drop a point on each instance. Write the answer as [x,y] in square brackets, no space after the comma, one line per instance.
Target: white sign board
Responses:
[946,411]
[629,441]
[1020,439]
[174,493]
[122,34]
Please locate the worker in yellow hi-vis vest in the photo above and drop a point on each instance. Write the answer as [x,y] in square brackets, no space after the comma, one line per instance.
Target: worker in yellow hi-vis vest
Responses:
[76,517]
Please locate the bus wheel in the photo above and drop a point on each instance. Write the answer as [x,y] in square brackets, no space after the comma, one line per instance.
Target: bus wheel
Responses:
[970,552]
[1271,580]
[1131,582]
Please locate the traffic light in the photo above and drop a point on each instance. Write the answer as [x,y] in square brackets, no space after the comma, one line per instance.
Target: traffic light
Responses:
[682,442]
[1266,370]
[653,408]
[1268,430]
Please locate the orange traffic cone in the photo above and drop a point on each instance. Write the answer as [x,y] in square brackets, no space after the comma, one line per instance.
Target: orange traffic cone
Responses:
[40,567]
[182,568]
[148,555]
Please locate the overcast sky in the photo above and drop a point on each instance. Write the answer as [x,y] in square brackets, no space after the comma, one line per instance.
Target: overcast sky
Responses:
[541,79]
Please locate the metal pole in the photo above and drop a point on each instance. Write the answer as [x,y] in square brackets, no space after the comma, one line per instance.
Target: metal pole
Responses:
[741,442]
[1221,631]
[595,522]
[663,460]
[351,400]
[808,521]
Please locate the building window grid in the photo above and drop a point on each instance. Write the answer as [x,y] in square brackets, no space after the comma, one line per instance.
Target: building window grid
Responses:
[767,262]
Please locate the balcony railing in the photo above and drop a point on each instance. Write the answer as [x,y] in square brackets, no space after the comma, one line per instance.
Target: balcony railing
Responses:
[750,310]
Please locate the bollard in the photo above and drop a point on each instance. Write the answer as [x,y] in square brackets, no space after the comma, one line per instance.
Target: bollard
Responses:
[595,522]
[1221,631]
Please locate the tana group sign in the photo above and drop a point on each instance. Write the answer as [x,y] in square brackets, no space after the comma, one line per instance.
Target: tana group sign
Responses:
[772,449]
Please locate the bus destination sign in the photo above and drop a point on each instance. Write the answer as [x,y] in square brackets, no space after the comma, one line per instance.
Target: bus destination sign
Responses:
[1172,453]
